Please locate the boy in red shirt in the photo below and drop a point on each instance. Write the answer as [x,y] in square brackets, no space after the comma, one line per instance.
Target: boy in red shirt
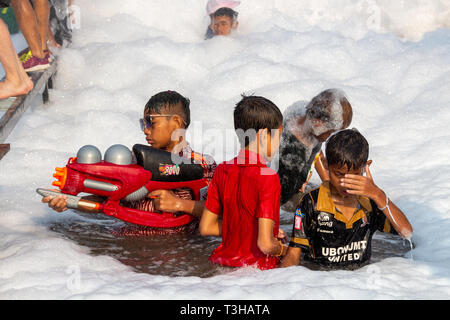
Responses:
[243,204]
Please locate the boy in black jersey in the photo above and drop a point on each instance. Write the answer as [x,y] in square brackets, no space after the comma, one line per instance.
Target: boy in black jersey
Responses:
[334,223]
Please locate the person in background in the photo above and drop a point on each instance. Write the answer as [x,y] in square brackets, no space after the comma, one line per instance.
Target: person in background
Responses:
[306,127]
[16,81]
[33,22]
[223,17]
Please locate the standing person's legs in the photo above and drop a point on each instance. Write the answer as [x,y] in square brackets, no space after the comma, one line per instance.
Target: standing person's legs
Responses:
[28,24]
[42,9]
[17,81]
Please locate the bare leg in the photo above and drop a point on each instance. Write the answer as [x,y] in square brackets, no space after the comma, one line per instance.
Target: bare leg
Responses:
[17,81]
[42,9]
[28,24]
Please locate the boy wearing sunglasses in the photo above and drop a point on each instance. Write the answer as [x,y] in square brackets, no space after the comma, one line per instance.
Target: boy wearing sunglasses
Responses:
[166,118]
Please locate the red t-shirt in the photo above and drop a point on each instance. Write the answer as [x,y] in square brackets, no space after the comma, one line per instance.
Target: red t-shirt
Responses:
[241,191]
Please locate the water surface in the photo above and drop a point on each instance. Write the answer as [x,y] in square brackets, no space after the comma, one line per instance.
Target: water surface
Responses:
[179,254]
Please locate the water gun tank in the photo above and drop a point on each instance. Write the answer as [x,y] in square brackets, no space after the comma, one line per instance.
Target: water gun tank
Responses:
[89,154]
[166,166]
[118,154]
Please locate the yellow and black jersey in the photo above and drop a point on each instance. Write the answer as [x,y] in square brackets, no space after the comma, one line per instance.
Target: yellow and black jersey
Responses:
[327,237]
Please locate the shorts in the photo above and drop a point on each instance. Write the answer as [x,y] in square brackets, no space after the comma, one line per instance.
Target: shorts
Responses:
[5,3]
[143,231]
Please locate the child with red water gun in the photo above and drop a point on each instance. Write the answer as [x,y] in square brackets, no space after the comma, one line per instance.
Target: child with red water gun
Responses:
[165,113]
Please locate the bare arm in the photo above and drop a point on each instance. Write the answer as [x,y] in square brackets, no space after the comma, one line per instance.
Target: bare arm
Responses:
[167,201]
[396,216]
[292,257]
[365,186]
[267,243]
[59,203]
[321,168]
[210,224]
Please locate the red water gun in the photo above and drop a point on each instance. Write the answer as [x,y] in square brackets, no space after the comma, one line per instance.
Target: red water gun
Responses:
[124,176]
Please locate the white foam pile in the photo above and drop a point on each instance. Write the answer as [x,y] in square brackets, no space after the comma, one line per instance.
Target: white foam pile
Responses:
[392,59]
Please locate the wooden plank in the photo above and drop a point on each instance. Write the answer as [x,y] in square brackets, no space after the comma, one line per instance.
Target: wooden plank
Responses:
[4,148]
[6,103]
[20,104]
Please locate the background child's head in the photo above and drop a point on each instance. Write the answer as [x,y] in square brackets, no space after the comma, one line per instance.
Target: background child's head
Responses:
[223,21]
[258,117]
[346,152]
[165,113]
[329,111]
[213,5]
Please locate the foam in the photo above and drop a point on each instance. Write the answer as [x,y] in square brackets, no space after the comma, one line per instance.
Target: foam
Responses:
[395,75]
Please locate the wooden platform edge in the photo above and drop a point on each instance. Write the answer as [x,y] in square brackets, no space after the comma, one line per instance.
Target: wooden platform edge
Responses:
[4,148]
[42,82]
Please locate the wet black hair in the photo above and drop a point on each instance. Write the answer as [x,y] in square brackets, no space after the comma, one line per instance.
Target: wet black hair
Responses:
[347,147]
[226,12]
[172,101]
[253,113]
[320,107]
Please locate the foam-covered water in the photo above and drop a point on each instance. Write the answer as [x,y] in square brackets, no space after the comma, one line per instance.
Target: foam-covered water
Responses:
[392,59]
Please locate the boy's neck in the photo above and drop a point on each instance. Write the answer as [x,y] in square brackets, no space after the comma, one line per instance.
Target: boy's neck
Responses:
[255,148]
[177,146]
[340,200]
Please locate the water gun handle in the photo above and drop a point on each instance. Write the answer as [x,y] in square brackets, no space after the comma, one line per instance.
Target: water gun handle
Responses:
[73,202]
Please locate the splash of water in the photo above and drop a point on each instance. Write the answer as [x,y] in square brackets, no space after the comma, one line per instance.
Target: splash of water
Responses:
[408,238]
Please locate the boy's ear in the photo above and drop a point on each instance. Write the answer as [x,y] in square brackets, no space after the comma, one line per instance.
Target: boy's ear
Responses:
[262,135]
[369,162]
[178,121]
[235,25]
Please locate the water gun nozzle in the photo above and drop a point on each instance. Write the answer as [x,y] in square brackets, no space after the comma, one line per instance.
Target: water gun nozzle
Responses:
[61,176]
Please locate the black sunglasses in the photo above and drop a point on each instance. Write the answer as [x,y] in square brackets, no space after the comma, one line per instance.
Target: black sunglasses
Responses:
[146,122]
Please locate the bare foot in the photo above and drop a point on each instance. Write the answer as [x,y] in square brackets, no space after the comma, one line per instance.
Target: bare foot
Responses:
[11,89]
[51,43]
